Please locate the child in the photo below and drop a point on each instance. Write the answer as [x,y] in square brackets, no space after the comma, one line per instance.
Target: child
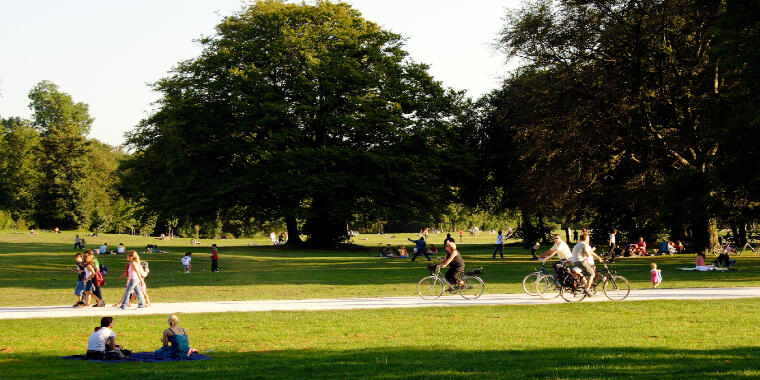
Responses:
[656,276]
[214,259]
[533,249]
[186,262]
[79,289]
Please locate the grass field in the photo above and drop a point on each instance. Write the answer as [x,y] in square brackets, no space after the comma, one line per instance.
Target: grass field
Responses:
[654,339]
[33,270]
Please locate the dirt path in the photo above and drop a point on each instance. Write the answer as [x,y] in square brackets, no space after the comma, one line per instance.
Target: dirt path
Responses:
[361,303]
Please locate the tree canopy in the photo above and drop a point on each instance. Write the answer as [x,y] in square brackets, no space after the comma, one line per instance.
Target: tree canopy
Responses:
[301,112]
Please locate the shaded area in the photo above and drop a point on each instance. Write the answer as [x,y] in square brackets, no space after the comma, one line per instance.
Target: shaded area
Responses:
[401,362]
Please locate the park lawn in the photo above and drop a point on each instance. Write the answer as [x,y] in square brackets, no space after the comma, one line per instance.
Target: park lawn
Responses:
[649,339]
[33,270]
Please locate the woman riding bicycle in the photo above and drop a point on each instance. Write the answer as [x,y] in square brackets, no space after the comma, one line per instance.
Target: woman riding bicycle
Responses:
[456,265]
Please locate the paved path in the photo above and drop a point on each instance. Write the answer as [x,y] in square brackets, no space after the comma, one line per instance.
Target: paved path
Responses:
[361,303]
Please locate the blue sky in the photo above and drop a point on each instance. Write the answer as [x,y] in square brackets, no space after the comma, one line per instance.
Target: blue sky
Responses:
[105,53]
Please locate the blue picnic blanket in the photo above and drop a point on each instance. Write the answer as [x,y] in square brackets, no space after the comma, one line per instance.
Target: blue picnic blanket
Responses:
[140,357]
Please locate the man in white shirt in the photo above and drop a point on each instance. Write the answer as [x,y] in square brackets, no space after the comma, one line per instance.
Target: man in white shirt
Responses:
[102,343]
[612,241]
[583,257]
[499,245]
[559,248]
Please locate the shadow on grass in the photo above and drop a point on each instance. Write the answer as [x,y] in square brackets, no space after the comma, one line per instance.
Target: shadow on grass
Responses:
[396,363]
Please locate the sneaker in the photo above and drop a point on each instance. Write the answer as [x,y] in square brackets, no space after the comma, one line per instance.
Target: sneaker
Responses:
[122,307]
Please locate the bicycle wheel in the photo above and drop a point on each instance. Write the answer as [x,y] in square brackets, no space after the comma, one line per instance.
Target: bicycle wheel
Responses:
[572,295]
[529,283]
[617,288]
[430,288]
[546,287]
[473,287]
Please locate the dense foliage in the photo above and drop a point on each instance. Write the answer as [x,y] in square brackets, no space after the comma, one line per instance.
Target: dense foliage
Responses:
[301,112]
[632,112]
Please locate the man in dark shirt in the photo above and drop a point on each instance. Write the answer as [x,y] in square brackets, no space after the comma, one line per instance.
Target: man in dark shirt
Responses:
[448,239]
[420,248]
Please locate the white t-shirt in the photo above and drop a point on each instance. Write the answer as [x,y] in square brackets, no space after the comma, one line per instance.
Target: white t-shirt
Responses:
[563,251]
[186,260]
[499,239]
[120,249]
[581,251]
[612,238]
[97,341]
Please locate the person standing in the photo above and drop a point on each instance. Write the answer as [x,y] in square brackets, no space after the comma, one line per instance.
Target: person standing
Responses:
[89,280]
[77,242]
[499,246]
[214,259]
[613,242]
[575,236]
[186,262]
[461,235]
[273,238]
[448,239]
[420,248]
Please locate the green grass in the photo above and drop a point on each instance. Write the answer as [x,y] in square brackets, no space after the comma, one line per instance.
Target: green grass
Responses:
[33,270]
[655,339]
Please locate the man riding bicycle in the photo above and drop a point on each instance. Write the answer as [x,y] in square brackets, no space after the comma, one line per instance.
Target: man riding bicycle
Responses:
[456,265]
[559,248]
[583,257]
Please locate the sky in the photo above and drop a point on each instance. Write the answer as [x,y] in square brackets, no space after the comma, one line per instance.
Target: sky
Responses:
[106,53]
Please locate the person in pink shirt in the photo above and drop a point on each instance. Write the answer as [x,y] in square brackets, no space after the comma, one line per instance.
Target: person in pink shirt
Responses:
[641,247]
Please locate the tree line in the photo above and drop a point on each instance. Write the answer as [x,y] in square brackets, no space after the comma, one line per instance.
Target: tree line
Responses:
[634,115]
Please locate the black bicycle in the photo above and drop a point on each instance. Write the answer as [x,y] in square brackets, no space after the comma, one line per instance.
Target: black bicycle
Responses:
[571,285]
[432,287]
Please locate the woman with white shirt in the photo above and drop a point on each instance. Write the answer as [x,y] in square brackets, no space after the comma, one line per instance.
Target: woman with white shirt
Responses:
[135,278]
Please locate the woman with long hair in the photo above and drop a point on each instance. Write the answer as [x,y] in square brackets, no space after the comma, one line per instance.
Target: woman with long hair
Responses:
[135,277]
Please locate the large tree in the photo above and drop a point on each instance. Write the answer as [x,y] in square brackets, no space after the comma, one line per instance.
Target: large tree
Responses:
[300,112]
[63,124]
[19,169]
[618,107]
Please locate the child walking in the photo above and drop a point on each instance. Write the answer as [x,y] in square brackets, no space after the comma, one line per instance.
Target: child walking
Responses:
[656,276]
[79,289]
[214,259]
[186,262]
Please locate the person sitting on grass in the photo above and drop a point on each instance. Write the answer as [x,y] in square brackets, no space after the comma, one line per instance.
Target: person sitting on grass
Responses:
[641,247]
[402,252]
[102,343]
[174,339]
[455,263]
[121,249]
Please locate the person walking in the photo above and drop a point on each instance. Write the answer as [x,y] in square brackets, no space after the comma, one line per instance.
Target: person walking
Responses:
[499,246]
[135,275]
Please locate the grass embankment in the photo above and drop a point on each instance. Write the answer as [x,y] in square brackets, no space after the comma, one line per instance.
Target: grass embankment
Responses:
[33,270]
[654,339]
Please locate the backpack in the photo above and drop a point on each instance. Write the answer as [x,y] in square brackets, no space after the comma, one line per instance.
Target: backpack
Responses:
[103,270]
[145,268]
[98,279]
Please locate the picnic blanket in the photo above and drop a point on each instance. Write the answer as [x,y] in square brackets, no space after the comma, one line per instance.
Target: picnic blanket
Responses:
[140,357]
[703,270]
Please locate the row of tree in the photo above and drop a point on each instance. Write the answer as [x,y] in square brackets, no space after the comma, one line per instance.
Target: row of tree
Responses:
[633,115]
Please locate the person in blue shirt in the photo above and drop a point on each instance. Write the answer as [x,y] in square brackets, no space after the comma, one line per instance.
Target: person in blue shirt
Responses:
[420,248]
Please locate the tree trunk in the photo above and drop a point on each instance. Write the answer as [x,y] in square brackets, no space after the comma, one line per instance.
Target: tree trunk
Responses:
[705,234]
[294,237]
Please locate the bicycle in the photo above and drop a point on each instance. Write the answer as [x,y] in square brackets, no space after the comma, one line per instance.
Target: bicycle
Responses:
[751,249]
[433,286]
[529,281]
[572,286]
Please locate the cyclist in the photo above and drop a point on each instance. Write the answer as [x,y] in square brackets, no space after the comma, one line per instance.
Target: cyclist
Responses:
[559,248]
[583,257]
[455,263]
